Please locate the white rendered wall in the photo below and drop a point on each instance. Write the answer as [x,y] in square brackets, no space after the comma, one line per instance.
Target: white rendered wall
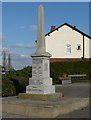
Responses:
[57,41]
[86,47]
[90,48]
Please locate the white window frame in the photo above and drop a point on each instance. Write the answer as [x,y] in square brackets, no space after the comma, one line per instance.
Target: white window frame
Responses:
[68,48]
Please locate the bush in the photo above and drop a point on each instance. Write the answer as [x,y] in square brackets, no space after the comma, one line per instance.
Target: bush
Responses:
[15,82]
[8,88]
[20,84]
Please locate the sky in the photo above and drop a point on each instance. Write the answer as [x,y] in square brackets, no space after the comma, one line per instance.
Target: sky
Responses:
[19,25]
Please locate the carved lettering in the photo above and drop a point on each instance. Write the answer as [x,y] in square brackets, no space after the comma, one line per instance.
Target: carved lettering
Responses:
[33,90]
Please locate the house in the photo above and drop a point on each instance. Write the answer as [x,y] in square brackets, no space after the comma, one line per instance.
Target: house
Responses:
[66,42]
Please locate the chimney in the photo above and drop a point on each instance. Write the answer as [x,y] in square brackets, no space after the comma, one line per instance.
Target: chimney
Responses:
[52,28]
[73,27]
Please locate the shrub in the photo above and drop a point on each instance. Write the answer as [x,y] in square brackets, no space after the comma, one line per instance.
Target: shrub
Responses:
[8,88]
[20,84]
[15,82]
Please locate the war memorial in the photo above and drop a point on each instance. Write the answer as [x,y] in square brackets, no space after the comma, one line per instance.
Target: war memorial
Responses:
[41,99]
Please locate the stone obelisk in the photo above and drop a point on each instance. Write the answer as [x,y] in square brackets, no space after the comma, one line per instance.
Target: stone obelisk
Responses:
[40,83]
[40,33]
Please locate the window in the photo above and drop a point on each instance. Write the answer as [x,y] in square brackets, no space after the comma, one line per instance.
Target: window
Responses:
[68,48]
[79,47]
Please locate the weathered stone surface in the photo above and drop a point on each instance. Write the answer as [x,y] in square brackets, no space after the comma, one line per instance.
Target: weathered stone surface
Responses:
[40,34]
[40,67]
[43,109]
[45,97]
[40,89]
[40,83]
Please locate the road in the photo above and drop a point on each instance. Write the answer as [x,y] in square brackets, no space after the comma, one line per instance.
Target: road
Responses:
[74,90]
[70,90]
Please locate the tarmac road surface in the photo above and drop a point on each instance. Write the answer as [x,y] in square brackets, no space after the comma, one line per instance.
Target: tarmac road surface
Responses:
[74,90]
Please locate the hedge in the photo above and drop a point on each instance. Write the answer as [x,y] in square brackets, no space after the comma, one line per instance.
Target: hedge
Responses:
[72,67]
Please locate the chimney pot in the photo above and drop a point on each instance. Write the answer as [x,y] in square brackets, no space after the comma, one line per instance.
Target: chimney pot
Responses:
[53,28]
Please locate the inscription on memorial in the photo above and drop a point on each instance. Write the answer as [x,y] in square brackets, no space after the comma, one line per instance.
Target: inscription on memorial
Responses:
[37,68]
[33,90]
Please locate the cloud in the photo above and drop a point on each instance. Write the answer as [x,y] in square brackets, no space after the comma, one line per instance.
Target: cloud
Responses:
[18,56]
[26,56]
[33,27]
[22,27]
[22,46]
[20,61]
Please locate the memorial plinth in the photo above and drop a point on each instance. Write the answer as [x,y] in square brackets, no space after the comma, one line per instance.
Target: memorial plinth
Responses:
[40,83]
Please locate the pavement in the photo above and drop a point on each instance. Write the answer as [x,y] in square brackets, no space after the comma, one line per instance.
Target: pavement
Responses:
[75,90]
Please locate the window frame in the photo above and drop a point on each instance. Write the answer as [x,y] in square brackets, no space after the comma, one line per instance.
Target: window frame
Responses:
[68,48]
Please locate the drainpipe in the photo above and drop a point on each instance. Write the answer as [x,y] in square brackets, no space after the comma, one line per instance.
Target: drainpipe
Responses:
[83,48]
